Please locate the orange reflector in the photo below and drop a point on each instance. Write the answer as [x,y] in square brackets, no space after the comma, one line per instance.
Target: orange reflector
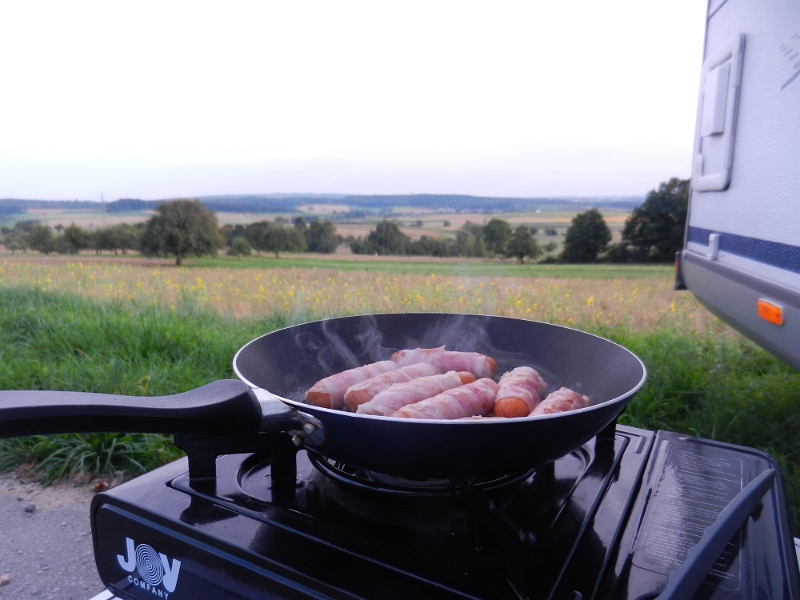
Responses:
[771,313]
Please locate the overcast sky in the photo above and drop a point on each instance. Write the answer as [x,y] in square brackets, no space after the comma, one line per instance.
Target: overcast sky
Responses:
[167,99]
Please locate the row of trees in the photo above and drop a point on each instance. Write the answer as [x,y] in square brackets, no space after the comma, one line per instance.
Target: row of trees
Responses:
[496,238]
[32,235]
[652,233]
[181,228]
[276,236]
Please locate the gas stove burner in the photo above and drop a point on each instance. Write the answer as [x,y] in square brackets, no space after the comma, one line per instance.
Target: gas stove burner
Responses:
[400,486]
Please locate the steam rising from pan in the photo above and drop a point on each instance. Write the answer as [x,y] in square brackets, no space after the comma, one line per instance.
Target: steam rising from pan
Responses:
[465,333]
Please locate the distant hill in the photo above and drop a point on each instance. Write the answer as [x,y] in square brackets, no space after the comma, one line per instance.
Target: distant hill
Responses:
[289,203]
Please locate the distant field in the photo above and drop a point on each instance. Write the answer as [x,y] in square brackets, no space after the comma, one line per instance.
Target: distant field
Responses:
[87,219]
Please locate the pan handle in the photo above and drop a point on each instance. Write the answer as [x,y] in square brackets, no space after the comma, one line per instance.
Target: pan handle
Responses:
[226,408]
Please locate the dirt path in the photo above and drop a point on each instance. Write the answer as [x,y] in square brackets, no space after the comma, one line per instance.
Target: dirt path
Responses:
[46,542]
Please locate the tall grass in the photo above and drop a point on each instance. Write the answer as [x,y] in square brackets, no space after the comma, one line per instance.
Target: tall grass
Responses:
[54,341]
[720,389]
[701,382]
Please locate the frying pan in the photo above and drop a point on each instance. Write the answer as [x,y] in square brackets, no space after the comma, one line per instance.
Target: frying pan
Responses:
[278,367]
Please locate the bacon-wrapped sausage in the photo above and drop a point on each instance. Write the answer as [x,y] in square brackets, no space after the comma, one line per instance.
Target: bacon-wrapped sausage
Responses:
[329,392]
[520,391]
[561,400]
[479,365]
[400,394]
[364,391]
[473,399]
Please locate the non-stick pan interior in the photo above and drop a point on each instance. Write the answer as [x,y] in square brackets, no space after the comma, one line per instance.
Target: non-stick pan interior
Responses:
[287,362]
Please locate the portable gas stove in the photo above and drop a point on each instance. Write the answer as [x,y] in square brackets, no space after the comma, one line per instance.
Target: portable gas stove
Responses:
[610,519]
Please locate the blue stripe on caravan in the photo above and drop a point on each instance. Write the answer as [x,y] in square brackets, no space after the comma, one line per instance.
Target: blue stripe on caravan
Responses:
[782,256]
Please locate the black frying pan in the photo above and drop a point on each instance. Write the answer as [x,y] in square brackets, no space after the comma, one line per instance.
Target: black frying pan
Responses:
[289,361]
[281,365]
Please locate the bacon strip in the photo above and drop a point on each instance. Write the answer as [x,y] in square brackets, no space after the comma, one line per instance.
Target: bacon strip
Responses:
[561,400]
[479,365]
[329,392]
[364,391]
[520,391]
[399,395]
[473,399]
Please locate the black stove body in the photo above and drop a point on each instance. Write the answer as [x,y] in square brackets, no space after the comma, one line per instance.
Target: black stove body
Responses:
[609,520]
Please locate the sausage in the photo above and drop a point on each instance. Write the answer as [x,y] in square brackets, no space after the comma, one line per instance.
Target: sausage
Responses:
[562,400]
[400,394]
[472,399]
[364,391]
[329,392]
[520,391]
[479,365]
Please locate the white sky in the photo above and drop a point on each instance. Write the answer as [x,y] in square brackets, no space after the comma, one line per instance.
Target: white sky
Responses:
[163,99]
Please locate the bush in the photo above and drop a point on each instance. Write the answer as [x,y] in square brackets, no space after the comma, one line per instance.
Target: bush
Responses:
[239,247]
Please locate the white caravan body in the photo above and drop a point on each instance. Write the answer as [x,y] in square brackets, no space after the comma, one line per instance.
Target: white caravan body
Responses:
[741,255]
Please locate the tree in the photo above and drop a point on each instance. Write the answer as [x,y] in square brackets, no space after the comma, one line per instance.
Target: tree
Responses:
[655,230]
[254,234]
[586,238]
[496,234]
[18,237]
[15,239]
[101,239]
[181,228]
[469,241]
[431,246]
[387,238]
[473,229]
[122,237]
[522,244]
[277,238]
[239,247]
[41,238]
[76,238]
[321,237]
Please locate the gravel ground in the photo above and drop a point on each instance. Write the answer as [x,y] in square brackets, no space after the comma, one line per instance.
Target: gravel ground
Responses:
[46,542]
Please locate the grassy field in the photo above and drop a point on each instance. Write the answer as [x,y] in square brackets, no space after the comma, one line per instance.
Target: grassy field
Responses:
[424,265]
[346,262]
[317,290]
[153,330]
